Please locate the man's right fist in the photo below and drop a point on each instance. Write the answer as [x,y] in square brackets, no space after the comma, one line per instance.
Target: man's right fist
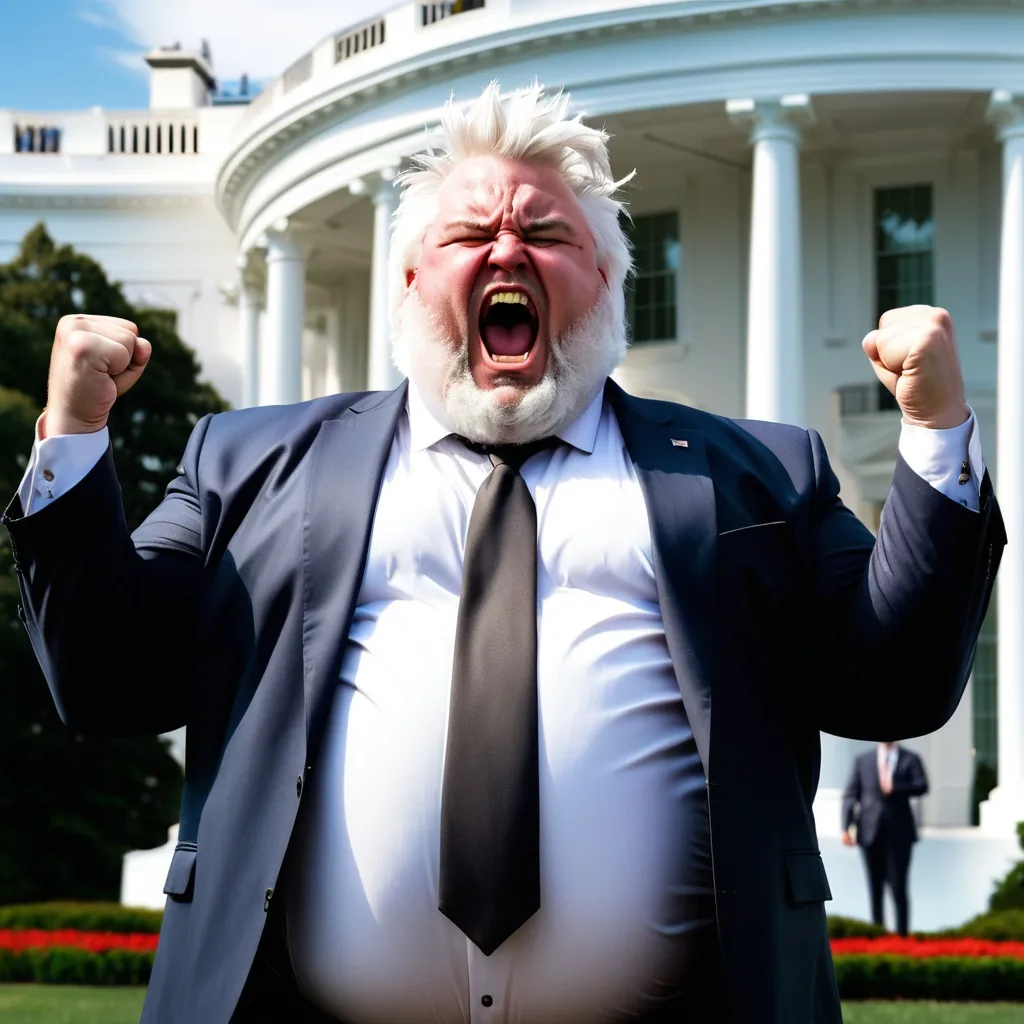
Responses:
[95,359]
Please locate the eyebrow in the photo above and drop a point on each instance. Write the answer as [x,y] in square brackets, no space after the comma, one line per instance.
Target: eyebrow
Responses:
[530,227]
[547,224]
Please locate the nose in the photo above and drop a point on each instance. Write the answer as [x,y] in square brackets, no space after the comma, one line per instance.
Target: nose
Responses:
[508,252]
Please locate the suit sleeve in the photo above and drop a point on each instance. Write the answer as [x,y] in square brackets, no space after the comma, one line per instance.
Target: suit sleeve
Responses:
[111,616]
[851,798]
[894,620]
[916,781]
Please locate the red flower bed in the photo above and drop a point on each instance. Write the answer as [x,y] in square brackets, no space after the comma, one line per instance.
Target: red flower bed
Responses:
[899,946]
[92,942]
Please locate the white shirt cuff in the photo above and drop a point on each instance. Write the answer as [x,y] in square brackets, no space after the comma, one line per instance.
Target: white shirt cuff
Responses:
[57,464]
[950,460]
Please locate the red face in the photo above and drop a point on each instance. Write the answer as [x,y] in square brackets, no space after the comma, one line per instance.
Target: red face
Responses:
[509,263]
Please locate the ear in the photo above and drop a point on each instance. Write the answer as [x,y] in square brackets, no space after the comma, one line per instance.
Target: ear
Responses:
[410,276]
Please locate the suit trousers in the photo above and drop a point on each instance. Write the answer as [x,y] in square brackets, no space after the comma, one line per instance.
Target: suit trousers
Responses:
[271,993]
[888,862]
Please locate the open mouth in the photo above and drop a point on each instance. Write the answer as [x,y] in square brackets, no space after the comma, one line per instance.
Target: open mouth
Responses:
[508,326]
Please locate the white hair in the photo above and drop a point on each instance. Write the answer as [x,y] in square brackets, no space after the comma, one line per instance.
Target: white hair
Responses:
[529,126]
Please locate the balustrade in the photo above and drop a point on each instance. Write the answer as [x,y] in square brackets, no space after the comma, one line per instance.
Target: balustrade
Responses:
[153,136]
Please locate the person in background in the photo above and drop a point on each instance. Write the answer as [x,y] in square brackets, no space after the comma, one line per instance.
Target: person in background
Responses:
[877,803]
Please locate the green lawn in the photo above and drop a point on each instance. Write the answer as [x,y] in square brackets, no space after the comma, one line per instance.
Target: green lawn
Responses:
[933,1013]
[71,1004]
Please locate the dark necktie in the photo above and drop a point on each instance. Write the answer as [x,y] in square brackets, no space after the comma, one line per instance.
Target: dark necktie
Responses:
[490,808]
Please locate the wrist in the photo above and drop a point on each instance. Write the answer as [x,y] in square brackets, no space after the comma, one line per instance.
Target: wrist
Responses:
[948,419]
[52,423]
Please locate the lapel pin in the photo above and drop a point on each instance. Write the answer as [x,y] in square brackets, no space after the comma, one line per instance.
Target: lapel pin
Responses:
[680,444]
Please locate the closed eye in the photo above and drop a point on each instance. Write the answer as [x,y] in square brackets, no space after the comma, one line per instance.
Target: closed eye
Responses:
[467,240]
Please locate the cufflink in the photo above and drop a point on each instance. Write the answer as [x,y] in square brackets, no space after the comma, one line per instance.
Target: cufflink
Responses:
[965,473]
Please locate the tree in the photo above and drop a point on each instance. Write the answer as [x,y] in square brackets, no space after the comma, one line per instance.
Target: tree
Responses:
[71,806]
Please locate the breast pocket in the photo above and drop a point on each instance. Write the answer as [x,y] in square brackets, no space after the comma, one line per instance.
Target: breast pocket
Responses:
[759,559]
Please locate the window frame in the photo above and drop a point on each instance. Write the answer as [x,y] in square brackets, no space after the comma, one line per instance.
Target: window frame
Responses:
[677,277]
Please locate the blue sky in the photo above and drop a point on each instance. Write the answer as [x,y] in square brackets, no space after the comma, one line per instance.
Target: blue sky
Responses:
[56,60]
[75,54]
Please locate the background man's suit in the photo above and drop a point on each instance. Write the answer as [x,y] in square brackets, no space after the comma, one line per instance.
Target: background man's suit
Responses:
[886,829]
[779,619]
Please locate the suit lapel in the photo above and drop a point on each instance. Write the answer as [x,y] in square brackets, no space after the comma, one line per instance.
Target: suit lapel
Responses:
[672,466]
[347,465]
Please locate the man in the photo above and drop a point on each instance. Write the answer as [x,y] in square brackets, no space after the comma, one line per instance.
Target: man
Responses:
[522,673]
[877,816]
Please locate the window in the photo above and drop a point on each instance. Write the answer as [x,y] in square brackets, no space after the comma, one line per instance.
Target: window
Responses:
[904,233]
[651,292]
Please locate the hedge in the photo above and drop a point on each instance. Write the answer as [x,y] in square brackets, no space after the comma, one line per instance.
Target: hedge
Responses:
[63,966]
[1000,925]
[83,917]
[853,928]
[997,925]
[952,978]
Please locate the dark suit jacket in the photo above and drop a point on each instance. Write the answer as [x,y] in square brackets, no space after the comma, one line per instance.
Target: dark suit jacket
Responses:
[228,612]
[871,810]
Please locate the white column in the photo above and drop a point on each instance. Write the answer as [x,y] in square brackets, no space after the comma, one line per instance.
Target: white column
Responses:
[380,188]
[1005,805]
[775,360]
[250,303]
[281,362]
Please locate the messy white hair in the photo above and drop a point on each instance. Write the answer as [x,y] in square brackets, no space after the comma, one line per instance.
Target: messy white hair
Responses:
[525,125]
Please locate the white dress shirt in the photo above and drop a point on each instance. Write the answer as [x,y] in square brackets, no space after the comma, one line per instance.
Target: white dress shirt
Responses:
[888,758]
[625,859]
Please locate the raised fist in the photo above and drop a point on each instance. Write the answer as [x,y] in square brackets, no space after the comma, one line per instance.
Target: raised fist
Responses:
[94,360]
[914,355]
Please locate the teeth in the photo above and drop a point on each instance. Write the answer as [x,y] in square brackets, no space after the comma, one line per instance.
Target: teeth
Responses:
[513,298]
[510,359]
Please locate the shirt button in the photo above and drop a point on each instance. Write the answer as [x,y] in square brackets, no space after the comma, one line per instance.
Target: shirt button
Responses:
[487,1000]
[48,475]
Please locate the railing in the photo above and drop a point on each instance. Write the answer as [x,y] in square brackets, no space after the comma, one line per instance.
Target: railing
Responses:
[356,40]
[864,399]
[149,135]
[36,138]
[432,12]
[299,72]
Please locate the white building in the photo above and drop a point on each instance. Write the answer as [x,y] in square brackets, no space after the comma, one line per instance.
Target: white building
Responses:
[802,165]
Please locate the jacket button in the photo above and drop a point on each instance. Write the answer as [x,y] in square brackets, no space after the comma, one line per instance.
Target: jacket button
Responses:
[266,901]
[298,786]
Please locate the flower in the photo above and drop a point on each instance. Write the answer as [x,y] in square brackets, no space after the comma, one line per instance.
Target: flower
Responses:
[94,942]
[899,946]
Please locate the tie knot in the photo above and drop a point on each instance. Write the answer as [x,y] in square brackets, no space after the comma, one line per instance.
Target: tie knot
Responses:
[513,455]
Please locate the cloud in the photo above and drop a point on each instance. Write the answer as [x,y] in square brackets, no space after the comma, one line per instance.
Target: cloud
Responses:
[257,37]
[93,17]
[130,59]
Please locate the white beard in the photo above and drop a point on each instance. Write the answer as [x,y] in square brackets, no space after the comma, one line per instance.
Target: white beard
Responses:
[437,363]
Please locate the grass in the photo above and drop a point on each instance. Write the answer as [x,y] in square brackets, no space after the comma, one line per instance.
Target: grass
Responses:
[932,1013]
[69,1004]
[73,1004]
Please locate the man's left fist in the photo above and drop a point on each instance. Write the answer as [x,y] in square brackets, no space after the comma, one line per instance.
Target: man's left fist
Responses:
[914,355]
